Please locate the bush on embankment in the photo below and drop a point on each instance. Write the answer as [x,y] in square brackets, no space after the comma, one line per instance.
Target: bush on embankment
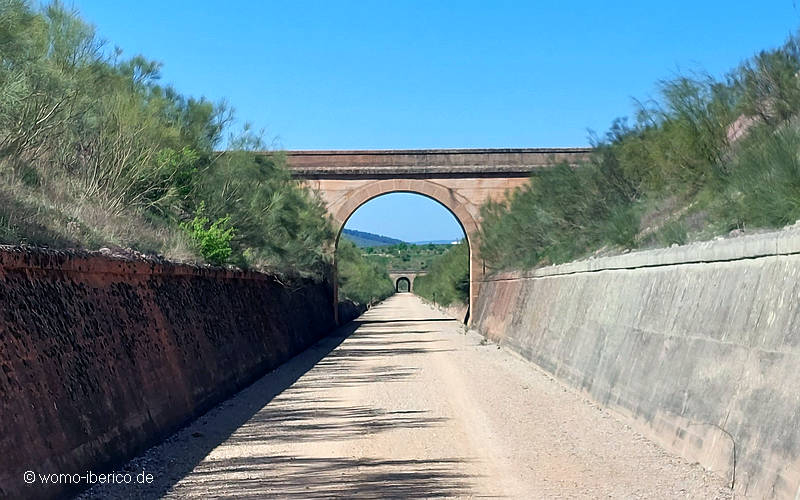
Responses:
[447,280]
[707,157]
[95,152]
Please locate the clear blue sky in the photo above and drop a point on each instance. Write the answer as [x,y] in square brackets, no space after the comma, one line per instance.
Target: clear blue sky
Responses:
[421,74]
[407,216]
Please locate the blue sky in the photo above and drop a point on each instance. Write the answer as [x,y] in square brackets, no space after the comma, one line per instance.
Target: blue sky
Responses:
[414,74]
[407,216]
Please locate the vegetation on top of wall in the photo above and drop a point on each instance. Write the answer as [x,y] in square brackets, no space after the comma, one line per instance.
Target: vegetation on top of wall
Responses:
[447,280]
[708,157]
[361,280]
[95,152]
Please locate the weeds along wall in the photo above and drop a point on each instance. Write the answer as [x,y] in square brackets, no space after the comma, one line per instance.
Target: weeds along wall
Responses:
[102,357]
[698,344]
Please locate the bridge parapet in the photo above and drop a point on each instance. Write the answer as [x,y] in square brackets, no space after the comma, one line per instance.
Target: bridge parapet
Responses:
[440,162]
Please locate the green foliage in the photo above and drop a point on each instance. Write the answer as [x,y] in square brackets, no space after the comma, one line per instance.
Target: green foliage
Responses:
[360,280]
[673,233]
[447,281]
[764,187]
[212,241]
[621,226]
[769,84]
[278,223]
[559,215]
[682,170]
[94,152]
[404,257]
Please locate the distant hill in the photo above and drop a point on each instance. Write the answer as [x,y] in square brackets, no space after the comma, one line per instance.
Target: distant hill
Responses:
[363,239]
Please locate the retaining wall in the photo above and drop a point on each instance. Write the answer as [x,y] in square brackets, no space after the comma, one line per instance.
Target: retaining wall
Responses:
[699,345]
[349,310]
[102,357]
[455,310]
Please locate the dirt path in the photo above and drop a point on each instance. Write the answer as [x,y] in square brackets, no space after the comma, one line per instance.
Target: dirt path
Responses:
[409,406]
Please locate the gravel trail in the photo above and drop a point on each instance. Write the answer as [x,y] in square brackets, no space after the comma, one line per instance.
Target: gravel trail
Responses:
[404,404]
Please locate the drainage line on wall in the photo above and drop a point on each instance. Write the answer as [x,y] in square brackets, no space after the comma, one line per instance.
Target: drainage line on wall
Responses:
[642,266]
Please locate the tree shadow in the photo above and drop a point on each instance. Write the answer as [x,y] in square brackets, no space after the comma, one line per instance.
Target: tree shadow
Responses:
[415,320]
[284,407]
[303,477]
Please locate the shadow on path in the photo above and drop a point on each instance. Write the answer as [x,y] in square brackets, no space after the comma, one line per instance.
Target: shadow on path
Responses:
[415,320]
[279,409]
[330,478]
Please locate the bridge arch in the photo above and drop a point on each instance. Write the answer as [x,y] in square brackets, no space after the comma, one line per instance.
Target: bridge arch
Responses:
[409,276]
[448,198]
[460,179]
[402,279]
[456,204]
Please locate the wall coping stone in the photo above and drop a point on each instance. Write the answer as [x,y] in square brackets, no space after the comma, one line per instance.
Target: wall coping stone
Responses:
[123,263]
[753,246]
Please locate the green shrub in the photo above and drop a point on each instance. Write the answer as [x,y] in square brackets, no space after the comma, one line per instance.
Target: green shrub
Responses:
[447,280]
[360,280]
[673,233]
[764,188]
[279,223]
[212,241]
[622,226]
[561,214]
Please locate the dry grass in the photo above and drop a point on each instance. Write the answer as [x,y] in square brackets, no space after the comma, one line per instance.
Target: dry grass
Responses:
[54,213]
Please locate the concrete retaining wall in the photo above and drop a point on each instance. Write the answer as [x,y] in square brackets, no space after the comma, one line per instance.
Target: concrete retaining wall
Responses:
[456,310]
[102,357]
[699,345]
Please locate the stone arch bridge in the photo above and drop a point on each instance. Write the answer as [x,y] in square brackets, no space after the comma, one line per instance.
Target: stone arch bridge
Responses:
[408,276]
[460,179]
